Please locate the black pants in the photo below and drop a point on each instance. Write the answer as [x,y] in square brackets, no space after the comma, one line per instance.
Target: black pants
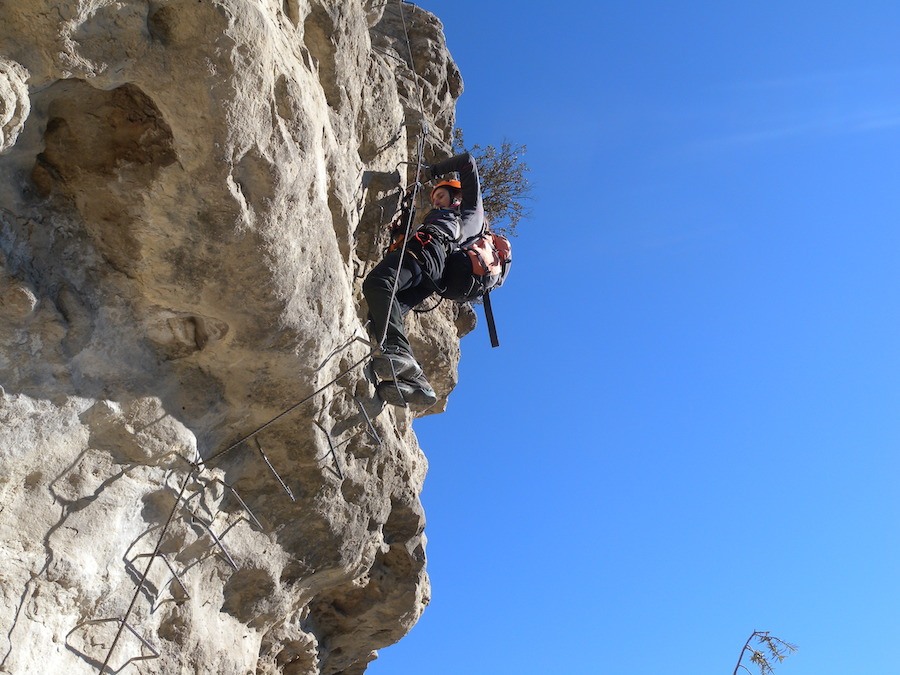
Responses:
[418,278]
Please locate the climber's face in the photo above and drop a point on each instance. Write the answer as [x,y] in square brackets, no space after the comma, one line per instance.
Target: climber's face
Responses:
[441,198]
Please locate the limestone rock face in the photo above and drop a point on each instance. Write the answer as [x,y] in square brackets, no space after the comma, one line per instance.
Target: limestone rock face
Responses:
[14,102]
[195,475]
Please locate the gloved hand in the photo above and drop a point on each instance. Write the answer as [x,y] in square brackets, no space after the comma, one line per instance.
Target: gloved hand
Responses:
[398,228]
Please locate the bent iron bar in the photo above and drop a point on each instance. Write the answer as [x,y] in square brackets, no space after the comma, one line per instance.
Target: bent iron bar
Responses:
[154,653]
[123,622]
[272,469]
[331,450]
[130,564]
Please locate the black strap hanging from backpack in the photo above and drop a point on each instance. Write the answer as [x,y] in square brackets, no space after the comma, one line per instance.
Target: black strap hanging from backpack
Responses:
[489,316]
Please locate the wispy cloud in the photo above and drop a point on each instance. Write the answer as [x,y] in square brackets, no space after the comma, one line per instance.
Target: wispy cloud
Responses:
[880,122]
[816,125]
[798,107]
[853,77]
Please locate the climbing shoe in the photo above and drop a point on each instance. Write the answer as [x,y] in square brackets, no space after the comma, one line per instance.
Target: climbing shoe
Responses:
[395,363]
[415,393]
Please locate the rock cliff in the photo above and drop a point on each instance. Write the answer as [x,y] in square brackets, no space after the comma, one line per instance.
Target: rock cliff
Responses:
[191,192]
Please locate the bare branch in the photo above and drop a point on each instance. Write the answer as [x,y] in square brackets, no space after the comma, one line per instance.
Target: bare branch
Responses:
[504,182]
[778,650]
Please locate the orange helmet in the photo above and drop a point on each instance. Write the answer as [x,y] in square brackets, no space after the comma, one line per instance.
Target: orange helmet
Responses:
[452,184]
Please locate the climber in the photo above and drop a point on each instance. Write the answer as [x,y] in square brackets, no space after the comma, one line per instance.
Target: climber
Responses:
[457,214]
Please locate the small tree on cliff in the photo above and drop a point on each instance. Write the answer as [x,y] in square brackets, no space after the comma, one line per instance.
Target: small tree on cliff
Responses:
[768,649]
[504,182]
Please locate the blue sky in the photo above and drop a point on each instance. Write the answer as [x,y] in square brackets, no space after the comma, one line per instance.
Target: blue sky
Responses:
[696,423]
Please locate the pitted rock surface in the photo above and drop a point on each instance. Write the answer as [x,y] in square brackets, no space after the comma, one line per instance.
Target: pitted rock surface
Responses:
[190,196]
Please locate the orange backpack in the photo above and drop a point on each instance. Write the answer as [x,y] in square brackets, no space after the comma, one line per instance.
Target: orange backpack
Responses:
[478,266]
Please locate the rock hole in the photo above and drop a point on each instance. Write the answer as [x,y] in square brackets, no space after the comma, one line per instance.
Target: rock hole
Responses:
[247,593]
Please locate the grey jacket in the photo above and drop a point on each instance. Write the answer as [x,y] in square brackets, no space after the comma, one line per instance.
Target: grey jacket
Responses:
[459,225]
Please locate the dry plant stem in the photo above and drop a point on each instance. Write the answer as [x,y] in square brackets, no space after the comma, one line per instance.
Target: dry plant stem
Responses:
[741,656]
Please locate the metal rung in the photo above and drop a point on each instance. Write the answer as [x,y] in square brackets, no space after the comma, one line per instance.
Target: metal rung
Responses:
[216,539]
[102,668]
[228,486]
[232,525]
[274,472]
[130,564]
[332,451]
[196,496]
[343,347]
[244,504]
[370,428]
